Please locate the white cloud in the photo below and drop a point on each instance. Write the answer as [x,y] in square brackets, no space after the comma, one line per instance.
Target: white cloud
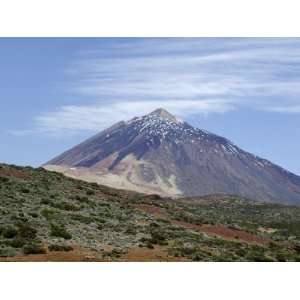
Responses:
[285,109]
[97,117]
[186,76]
[192,68]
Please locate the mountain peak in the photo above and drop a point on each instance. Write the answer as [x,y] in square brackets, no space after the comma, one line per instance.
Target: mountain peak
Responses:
[158,153]
[164,114]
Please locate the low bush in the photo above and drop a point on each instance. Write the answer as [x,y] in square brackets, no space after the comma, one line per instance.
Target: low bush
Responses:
[45,201]
[9,232]
[82,219]
[25,190]
[34,248]
[90,192]
[4,179]
[33,214]
[26,231]
[17,243]
[197,257]
[60,231]
[83,199]
[7,252]
[149,245]
[100,220]
[131,230]
[56,247]
[297,248]
[157,237]
[49,214]
[94,185]
[65,206]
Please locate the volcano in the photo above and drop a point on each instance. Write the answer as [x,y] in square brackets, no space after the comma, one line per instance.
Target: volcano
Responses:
[160,153]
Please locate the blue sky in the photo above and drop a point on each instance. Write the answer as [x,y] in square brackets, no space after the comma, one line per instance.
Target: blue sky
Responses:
[56,92]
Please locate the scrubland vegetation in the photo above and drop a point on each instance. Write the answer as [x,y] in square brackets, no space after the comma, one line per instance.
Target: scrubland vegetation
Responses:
[43,212]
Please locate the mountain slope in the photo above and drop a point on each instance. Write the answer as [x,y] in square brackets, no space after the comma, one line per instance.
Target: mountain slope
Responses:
[162,154]
[46,216]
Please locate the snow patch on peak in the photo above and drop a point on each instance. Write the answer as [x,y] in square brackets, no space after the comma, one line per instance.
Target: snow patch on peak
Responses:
[164,114]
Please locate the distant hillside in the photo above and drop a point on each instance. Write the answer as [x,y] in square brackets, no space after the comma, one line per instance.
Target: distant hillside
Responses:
[159,153]
[47,216]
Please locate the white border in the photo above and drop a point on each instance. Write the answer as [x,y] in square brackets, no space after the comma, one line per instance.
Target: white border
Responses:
[147,280]
[149,18]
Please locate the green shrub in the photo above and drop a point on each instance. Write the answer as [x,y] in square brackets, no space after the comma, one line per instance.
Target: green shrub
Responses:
[131,230]
[188,250]
[197,257]
[33,214]
[65,206]
[56,247]
[157,237]
[17,242]
[241,252]
[34,249]
[26,231]
[82,219]
[45,201]
[47,213]
[297,248]
[60,231]
[83,199]
[94,185]
[9,232]
[25,190]
[163,221]
[149,245]
[90,192]
[281,256]
[7,252]
[4,179]
[102,221]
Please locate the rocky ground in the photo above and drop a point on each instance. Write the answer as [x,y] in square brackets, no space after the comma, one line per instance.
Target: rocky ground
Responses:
[45,216]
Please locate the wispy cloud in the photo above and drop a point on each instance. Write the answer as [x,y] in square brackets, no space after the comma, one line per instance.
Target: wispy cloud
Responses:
[93,117]
[129,77]
[285,109]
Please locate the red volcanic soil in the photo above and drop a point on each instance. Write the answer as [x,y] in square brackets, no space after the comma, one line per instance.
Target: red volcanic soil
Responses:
[12,172]
[228,233]
[135,254]
[158,254]
[154,210]
[220,230]
[225,232]
[76,255]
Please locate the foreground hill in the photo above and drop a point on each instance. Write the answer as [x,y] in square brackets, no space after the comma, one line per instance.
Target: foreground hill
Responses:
[47,216]
[158,153]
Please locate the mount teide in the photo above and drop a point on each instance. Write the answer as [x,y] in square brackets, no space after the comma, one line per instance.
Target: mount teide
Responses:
[159,153]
